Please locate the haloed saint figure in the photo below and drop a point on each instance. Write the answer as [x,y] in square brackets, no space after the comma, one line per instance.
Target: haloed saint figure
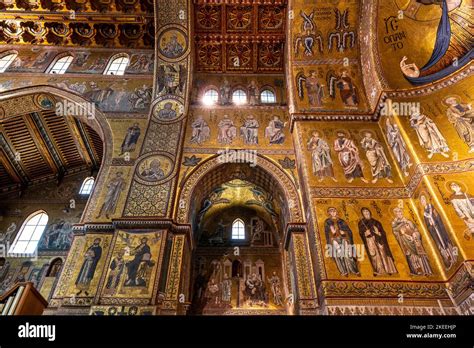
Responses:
[86,274]
[375,240]
[340,243]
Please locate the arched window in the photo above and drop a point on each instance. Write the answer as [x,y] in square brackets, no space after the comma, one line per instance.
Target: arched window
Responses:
[211,97]
[117,65]
[30,233]
[239,96]
[238,230]
[61,65]
[87,185]
[6,61]
[267,97]
[54,268]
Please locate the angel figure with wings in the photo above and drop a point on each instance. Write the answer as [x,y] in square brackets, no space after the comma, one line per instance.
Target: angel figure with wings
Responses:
[214,198]
[264,200]
[309,36]
[347,89]
[172,79]
[314,89]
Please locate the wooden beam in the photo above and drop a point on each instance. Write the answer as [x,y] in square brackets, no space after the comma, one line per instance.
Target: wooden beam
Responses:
[79,141]
[40,143]
[10,169]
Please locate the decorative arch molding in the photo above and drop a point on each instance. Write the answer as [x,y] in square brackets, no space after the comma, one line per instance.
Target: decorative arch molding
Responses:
[97,121]
[285,183]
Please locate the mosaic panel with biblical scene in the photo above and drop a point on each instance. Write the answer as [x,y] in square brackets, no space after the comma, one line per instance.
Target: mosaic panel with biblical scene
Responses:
[132,269]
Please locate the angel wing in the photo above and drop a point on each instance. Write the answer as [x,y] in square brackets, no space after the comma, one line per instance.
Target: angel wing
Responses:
[297,45]
[257,192]
[300,79]
[331,79]
[338,19]
[345,18]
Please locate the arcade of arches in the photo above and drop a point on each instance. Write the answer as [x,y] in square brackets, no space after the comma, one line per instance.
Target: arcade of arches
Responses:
[238,157]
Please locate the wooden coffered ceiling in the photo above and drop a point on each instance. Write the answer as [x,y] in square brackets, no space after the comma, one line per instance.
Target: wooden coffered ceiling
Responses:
[91,23]
[42,146]
[245,37]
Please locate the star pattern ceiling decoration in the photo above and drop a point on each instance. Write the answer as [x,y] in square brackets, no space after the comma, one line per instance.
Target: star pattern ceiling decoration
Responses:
[244,38]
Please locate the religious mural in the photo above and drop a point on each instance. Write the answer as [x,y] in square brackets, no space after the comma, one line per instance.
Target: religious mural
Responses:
[210,128]
[351,178]
[375,239]
[327,75]
[85,269]
[355,156]
[245,284]
[448,24]
[132,269]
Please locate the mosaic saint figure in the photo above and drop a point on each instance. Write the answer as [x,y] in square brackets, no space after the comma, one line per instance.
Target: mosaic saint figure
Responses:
[153,171]
[255,290]
[138,267]
[227,131]
[321,157]
[275,131]
[253,92]
[347,90]
[172,48]
[131,138]
[376,156]
[462,118]
[201,131]
[4,268]
[89,265]
[463,204]
[114,188]
[340,243]
[348,154]
[141,97]
[438,232]
[5,237]
[398,146]
[167,113]
[117,267]
[226,93]
[212,294]
[315,90]
[249,131]
[429,136]
[375,240]
[275,286]
[226,286]
[409,239]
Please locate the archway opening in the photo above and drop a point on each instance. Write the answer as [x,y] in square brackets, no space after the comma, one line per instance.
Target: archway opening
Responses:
[50,153]
[238,218]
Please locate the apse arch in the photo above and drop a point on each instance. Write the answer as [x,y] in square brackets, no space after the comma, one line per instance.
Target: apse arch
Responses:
[262,253]
[212,172]
[90,115]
